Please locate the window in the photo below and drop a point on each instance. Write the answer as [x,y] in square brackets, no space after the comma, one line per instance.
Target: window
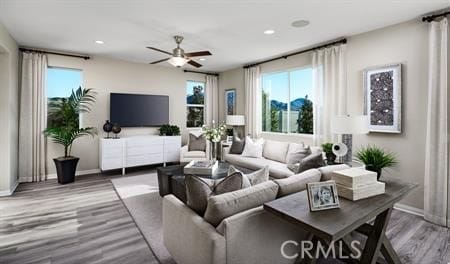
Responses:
[195,100]
[60,83]
[286,102]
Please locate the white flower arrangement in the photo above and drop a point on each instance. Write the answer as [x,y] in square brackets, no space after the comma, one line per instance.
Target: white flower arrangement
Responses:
[214,134]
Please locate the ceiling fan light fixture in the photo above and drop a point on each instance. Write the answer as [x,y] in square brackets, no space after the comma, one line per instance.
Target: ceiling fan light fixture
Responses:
[177,61]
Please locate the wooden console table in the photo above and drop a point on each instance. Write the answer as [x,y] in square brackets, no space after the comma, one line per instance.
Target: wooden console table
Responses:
[336,224]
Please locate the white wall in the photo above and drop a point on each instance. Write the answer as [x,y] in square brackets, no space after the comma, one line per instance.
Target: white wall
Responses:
[8,112]
[233,79]
[405,43]
[109,75]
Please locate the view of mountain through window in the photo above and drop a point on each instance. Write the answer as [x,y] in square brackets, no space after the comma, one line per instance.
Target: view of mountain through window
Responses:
[195,100]
[286,102]
[60,83]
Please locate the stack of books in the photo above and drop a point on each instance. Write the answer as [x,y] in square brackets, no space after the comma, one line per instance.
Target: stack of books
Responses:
[357,183]
[201,167]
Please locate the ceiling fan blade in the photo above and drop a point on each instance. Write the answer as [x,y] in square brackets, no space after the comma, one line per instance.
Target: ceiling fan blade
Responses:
[158,61]
[194,63]
[198,53]
[163,51]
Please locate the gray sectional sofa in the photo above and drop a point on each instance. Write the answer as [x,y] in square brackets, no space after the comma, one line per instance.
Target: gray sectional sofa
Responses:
[251,235]
[275,155]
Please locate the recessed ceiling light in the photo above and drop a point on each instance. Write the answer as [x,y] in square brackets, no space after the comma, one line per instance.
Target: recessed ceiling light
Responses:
[269,32]
[300,23]
[99,42]
[202,59]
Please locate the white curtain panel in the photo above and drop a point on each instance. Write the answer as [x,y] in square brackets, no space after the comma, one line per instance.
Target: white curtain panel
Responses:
[436,157]
[33,118]
[212,100]
[252,101]
[329,91]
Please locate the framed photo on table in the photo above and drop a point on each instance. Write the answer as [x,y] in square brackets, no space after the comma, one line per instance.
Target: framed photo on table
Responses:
[383,98]
[230,102]
[322,195]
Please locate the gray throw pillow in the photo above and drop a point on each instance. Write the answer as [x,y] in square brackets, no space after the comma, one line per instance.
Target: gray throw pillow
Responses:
[197,143]
[312,161]
[298,156]
[237,146]
[252,178]
[198,190]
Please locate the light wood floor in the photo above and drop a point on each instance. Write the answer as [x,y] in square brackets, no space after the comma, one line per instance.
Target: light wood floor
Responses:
[85,222]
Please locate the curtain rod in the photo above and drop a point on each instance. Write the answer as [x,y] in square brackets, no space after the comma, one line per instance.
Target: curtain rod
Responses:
[202,72]
[433,17]
[337,42]
[55,53]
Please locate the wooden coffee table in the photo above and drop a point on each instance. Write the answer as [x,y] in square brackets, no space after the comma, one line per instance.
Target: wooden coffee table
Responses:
[336,224]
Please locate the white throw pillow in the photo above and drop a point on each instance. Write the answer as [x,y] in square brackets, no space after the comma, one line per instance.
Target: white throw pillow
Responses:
[253,149]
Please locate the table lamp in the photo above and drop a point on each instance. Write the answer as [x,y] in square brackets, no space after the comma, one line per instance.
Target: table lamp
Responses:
[347,125]
[235,121]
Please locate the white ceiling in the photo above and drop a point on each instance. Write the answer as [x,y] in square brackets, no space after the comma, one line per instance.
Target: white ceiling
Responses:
[231,29]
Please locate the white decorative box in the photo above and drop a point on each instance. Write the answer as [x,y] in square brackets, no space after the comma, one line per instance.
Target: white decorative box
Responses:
[362,192]
[201,167]
[354,177]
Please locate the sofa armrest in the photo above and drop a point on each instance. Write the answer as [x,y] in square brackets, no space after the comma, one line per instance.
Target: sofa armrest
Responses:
[189,238]
[183,151]
[256,236]
[327,171]
[297,182]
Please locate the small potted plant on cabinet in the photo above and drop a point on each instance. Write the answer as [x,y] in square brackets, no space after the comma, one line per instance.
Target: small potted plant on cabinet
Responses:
[328,149]
[376,159]
[65,129]
[169,130]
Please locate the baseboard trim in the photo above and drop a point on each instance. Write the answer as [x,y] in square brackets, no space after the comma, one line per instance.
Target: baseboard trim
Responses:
[78,173]
[409,209]
[11,191]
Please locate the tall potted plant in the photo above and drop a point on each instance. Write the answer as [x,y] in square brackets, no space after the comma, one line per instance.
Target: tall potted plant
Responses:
[64,129]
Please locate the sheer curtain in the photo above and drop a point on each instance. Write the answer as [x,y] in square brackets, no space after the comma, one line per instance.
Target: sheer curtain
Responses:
[212,99]
[33,118]
[329,90]
[252,101]
[436,156]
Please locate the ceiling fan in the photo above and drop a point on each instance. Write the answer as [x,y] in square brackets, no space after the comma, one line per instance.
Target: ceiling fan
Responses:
[179,57]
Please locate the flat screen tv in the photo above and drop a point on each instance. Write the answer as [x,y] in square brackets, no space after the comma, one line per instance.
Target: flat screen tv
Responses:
[139,110]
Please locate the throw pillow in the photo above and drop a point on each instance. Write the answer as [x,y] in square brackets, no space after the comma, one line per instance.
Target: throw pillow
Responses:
[197,143]
[312,161]
[237,146]
[298,155]
[252,178]
[228,204]
[253,149]
[297,182]
[198,190]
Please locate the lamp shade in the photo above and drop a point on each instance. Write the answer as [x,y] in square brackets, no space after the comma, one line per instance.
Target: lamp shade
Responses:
[235,120]
[346,124]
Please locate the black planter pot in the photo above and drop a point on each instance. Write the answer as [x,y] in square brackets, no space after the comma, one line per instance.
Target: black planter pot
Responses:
[370,168]
[331,158]
[65,169]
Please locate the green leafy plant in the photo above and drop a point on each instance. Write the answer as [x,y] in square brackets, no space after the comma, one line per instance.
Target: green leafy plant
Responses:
[65,113]
[376,158]
[169,130]
[327,148]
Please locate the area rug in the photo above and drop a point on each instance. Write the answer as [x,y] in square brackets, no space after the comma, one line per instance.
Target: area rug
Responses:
[141,197]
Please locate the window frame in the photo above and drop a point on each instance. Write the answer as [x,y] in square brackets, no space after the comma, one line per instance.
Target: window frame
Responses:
[82,83]
[196,105]
[309,66]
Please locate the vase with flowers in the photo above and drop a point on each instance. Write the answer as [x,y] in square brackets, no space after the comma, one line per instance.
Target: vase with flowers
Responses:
[214,134]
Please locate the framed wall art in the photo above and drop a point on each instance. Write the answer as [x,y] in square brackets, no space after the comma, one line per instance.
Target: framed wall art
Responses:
[383,98]
[230,102]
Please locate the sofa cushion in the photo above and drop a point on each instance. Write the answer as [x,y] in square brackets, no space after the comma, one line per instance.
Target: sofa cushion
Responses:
[227,204]
[253,178]
[253,148]
[298,154]
[276,169]
[195,154]
[312,161]
[196,142]
[275,150]
[297,182]
[237,146]
[327,171]
[198,190]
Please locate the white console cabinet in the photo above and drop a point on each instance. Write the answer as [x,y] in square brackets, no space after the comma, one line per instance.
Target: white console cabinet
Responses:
[138,151]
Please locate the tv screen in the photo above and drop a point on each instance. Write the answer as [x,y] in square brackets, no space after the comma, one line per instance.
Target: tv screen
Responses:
[139,110]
